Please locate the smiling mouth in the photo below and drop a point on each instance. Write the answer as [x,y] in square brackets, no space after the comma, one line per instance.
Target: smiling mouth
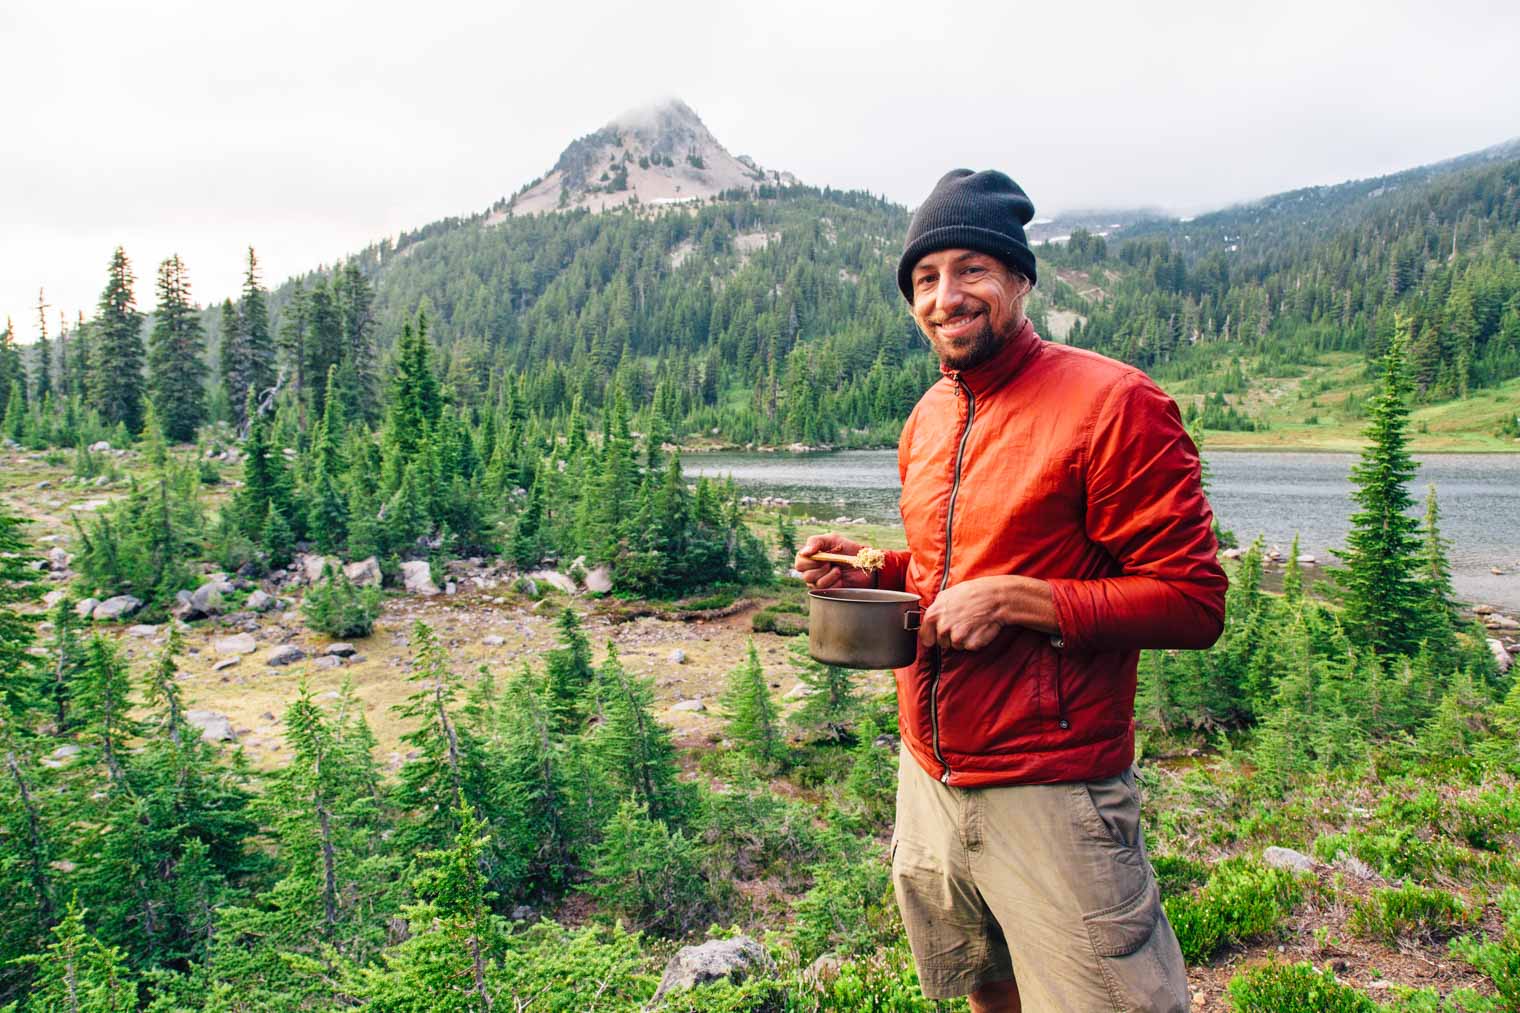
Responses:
[959,327]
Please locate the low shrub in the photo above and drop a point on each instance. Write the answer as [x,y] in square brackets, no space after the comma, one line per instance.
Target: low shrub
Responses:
[339,609]
[775,619]
[1294,988]
[1242,899]
[1409,911]
[1176,874]
[849,911]
[1498,958]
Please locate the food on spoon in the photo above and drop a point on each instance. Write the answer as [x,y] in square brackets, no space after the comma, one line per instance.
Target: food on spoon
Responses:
[866,558]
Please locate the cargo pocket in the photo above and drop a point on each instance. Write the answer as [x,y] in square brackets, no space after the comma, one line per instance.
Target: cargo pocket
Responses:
[1140,969]
[1123,929]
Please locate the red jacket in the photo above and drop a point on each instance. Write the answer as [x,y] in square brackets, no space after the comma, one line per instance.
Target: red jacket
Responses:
[1052,462]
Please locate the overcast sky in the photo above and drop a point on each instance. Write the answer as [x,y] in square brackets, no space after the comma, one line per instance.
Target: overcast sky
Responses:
[308,129]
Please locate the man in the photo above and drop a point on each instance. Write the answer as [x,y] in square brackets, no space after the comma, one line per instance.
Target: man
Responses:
[1056,525]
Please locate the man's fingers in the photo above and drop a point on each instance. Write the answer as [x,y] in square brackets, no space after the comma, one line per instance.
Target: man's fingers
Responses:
[928,628]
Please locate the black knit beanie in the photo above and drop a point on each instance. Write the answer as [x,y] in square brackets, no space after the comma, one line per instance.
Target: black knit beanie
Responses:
[984,211]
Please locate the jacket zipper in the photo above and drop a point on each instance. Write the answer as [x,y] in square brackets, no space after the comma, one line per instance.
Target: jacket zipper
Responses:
[955,486]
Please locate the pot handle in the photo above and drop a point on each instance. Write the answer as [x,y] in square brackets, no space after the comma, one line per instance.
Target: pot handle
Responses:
[911,619]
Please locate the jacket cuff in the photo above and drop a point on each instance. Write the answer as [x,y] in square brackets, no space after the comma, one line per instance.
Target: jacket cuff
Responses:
[1133,613]
[893,575]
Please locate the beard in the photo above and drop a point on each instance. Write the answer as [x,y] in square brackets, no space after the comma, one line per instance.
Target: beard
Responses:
[973,349]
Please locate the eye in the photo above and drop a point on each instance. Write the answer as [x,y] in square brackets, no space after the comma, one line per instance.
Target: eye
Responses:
[924,279]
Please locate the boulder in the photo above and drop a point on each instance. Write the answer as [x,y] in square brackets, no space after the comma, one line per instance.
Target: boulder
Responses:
[340,650]
[1287,858]
[58,559]
[53,598]
[309,565]
[1307,560]
[677,657]
[1501,655]
[417,577]
[86,608]
[117,607]
[554,579]
[715,960]
[144,630]
[599,580]
[260,601]
[285,654]
[1495,621]
[100,446]
[214,727]
[363,573]
[327,661]
[207,599]
[1230,554]
[690,705]
[234,646]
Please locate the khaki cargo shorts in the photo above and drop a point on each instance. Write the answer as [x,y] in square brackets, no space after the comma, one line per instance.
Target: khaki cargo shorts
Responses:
[1047,884]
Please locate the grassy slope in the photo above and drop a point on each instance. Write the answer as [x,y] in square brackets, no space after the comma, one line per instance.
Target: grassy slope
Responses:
[1287,404]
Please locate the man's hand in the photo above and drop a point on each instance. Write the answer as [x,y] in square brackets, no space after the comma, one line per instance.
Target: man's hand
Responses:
[968,616]
[822,576]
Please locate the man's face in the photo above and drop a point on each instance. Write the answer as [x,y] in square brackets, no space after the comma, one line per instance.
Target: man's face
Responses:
[967,304]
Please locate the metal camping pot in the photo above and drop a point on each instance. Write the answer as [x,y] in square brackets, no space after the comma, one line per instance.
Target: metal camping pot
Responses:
[857,627]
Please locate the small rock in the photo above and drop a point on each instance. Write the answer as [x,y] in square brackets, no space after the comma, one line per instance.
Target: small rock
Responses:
[822,971]
[100,446]
[1501,655]
[340,650]
[58,559]
[1287,858]
[1484,610]
[86,607]
[225,663]
[118,607]
[715,960]
[450,587]
[285,654]
[1230,554]
[493,640]
[260,601]
[52,598]
[1307,560]
[44,484]
[363,573]
[60,756]
[678,657]
[237,644]
[801,691]
[144,630]
[690,705]
[310,565]
[522,913]
[214,727]
[417,577]
[327,661]
[1356,868]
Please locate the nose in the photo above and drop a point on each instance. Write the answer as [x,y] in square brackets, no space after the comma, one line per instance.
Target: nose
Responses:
[948,295]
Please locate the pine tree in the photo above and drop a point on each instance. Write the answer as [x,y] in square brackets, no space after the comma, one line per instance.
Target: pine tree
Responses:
[78,974]
[327,506]
[569,674]
[1380,579]
[176,369]
[536,774]
[21,689]
[1440,605]
[357,377]
[832,701]
[648,874]
[753,721]
[632,751]
[250,361]
[12,373]
[1293,575]
[116,365]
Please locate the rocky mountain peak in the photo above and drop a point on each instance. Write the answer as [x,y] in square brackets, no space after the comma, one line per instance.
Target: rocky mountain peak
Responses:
[657,154]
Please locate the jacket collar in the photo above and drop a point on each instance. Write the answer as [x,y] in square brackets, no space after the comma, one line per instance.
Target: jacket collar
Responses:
[996,371]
